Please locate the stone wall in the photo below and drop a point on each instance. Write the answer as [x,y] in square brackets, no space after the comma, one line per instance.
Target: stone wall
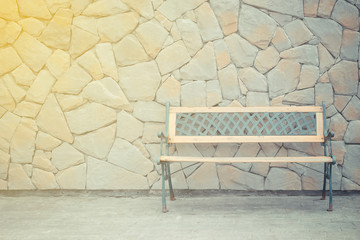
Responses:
[83,86]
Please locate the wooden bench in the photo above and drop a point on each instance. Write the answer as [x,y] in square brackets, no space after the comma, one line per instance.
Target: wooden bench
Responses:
[276,124]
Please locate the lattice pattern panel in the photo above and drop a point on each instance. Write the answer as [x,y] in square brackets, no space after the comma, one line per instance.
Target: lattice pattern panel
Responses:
[245,124]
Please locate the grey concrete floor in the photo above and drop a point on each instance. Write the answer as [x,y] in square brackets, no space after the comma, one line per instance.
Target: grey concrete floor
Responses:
[230,215]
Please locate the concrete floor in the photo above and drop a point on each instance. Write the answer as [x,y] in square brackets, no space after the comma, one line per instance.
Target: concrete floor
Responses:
[205,215]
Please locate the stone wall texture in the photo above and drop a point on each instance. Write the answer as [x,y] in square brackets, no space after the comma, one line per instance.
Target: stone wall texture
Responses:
[83,87]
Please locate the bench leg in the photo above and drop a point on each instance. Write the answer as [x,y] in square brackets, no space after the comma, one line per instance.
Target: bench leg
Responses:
[330,188]
[323,197]
[164,209]
[172,195]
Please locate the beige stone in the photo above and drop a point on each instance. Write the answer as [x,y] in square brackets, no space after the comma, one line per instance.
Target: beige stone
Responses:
[152,178]
[221,53]
[73,81]
[13,31]
[4,145]
[144,150]
[339,150]
[99,114]
[283,78]
[325,8]
[352,110]
[208,25]
[163,21]
[55,5]
[44,180]
[91,64]
[104,8]
[297,32]
[292,7]
[107,60]
[310,8]
[190,34]
[86,23]
[301,97]
[41,87]
[173,9]
[306,54]
[283,179]
[202,66]
[32,26]
[3,184]
[81,41]
[227,14]
[344,77]
[9,10]
[58,63]
[27,109]
[23,75]
[256,27]
[65,156]
[9,60]
[350,45]
[149,111]
[348,185]
[172,57]
[281,40]
[46,142]
[169,92]
[213,93]
[32,52]
[241,51]
[140,81]
[129,51]
[308,76]
[8,125]
[235,179]
[111,94]
[340,102]
[4,164]
[127,156]
[96,143]
[106,176]
[324,93]
[22,145]
[193,94]
[346,14]
[128,127]
[254,99]
[57,34]
[52,121]
[229,82]
[253,80]
[151,130]
[36,9]
[6,99]
[205,177]
[266,59]
[110,30]
[69,102]
[18,179]
[338,126]
[42,161]
[77,6]
[143,7]
[72,178]
[324,78]
[16,91]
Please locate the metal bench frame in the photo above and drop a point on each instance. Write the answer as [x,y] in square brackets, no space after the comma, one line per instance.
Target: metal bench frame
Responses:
[244,125]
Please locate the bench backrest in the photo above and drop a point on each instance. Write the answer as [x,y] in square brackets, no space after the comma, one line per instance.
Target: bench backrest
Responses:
[245,124]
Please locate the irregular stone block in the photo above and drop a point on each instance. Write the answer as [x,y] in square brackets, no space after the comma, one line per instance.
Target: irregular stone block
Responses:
[41,87]
[81,41]
[27,109]
[205,177]
[4,164]
[96,143]
[23,75]
[69,102]
[208,25]
[324,93]
[344,77]
[42,161]
[140,81]
[246,150]
[213,93]
[104,8]
[36,8]
[65,156]
[128,127]
[282,179]
[149,111]
[340,102]
[111,31]
[6,99]
[328,31]
[91,64]
[229,82]
[306,54]
[129,51]
[33,53]
[16,91]
[193,94]
[152,37]
[46,142]
[308,76]
[227,14]
[338,126]
[57,34]
[221,53]
[281,40]
[52,121]
[73,177]
[297,32]
[8,125]
[346,14]
[350,45]
[169,92]
[348,185]
[22,145]
[352,164]
[202,66]
[188,149]
[144,7]
[352,134]
[18,179]
[325,8]
[226,150]
[13,31]
[266,59]
[254,99]
[107,60]
[352,110]
[292,7]
[253,80]
[190,35]
[241,51]
[44,180]
[235,179]
[9,60]
[283,78]
[9,10]
[78,6]
[310,8]
[251,20]
[339,150]
[32,26]
[178,178]
[73,81]
[301,97]
[173,9]
[172,57]
[86,23]
[151,130]
[58,63]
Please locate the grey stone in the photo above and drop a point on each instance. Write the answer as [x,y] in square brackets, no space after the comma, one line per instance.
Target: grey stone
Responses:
[308,76]
[193,94]
[149,111]
[310,8]
[292,7]
[253,80]
[186,149]
[190,35]
[266,59]
[208,25]
[352,163]
[338,126]
[340,102]
[281,40]
[229,82]
[328,31]
[350,45]
[205,177]
[207,150]
[282,179]
[213,93]
[222,54]
[301,97]
[297,32]
[233,178]
[306,54]
[227,14]
[348,185]
[344,77]
[172,57]
[331,111]
[226,150]
[251,18]
[151,130]
[324,93]
[352,134]
[325,8]
[247,150]
[325,58]
[254,99]
[346,14]
[241,51]
[352,110]
[314,149]
[339,150]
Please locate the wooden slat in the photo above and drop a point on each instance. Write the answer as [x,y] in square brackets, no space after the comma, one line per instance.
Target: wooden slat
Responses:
[244,139]
[247,109]
[319,124]
[172,125]
[244,159]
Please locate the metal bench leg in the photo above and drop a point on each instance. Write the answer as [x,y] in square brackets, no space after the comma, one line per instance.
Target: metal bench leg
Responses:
[172,195]
[330,188]
[164,209]
[323,197]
